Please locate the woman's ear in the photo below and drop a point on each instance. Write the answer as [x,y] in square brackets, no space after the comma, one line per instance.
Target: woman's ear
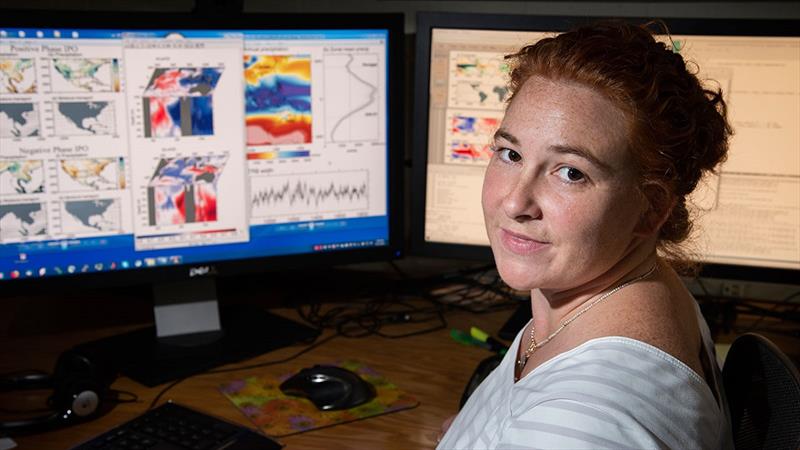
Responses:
[658,205]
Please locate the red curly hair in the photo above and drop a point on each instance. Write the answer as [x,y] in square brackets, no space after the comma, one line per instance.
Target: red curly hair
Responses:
[678,128]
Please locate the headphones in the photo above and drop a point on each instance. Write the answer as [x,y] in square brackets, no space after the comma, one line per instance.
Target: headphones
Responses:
[80,387]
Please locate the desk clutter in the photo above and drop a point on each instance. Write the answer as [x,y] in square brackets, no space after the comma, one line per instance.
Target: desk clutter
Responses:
[260,399]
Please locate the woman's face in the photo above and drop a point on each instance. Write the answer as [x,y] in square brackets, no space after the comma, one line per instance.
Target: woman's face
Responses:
[559,196]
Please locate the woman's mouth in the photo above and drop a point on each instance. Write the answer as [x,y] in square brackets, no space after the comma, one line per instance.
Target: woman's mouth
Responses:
[520,244]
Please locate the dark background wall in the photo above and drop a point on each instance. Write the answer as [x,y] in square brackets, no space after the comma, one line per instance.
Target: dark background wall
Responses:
[652,9]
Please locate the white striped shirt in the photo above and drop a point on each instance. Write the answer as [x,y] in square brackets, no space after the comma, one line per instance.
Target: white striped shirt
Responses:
[610,392]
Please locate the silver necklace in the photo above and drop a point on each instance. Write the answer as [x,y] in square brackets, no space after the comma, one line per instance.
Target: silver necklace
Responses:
[533,346]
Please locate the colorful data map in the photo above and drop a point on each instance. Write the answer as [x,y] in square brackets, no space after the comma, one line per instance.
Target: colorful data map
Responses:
[478,80]
[18,120]
[470,125]
[91,174]
[90,216]
[21,177]
[84,118]
[278,99]
[479,64]
[17,76]
[469,151]
[22,220]
[473,93]
[85,75]
[469,135]
[184,190]
[178,102]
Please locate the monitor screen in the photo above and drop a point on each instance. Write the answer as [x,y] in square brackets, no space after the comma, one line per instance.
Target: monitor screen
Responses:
[748,214]
[145,149]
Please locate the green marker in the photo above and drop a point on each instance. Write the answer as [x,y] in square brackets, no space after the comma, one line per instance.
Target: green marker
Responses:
[465,339]
[494,344]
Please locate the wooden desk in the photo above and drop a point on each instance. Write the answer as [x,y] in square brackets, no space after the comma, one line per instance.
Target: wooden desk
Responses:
[432,367]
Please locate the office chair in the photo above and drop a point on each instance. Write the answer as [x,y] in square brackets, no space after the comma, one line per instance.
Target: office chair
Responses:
[763,390]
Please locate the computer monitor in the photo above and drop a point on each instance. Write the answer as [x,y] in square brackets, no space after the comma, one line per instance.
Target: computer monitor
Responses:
[170,148]
[749,222]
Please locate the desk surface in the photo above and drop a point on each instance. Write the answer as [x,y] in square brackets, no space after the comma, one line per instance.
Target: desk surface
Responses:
[432,367]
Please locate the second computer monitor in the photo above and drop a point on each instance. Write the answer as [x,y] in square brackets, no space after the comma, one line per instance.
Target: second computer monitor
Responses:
[748,215]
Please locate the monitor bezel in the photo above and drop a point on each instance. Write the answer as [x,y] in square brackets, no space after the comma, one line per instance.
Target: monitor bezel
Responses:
[393,23]
[427,21]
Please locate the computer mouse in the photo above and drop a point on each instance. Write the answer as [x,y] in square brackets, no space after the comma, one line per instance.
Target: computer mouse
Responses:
[329,388]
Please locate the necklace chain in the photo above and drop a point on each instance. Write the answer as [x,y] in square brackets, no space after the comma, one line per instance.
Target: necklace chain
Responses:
[533,346]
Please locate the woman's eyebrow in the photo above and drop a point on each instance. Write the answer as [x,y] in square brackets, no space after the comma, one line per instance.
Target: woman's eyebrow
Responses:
[502,133]
[581,153]
[578,151]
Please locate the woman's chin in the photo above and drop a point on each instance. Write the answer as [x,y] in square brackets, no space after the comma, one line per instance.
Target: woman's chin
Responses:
[519,276]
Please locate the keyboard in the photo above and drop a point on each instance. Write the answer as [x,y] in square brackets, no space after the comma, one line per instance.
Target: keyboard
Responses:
[175,427]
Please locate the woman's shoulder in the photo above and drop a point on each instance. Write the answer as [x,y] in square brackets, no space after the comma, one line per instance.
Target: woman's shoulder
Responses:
[614,383]
[611,359]
[660,314]
[613,392]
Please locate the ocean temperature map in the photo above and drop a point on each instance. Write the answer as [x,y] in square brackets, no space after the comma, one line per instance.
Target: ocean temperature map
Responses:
[469,135]
[278,99]
[178,102]
[184,190]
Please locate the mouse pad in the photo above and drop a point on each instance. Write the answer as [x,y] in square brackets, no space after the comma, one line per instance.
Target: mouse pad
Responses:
[261,400]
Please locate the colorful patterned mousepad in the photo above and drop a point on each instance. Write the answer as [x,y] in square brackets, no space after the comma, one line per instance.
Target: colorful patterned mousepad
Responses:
[261,400]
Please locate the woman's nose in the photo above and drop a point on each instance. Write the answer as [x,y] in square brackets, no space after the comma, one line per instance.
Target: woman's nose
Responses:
[520,203]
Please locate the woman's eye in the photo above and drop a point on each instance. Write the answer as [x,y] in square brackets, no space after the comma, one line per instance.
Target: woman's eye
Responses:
[571,174]
[508,155]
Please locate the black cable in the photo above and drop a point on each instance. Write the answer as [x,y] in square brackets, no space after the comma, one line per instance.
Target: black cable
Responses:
[490,296]
[365,317]
[10,377]
[164,391]
[442,326]
[234,369]
[24,411]
[401,272]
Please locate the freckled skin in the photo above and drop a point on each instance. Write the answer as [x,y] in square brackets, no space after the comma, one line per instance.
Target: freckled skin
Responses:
[587,226]
[566,221]
[568,225]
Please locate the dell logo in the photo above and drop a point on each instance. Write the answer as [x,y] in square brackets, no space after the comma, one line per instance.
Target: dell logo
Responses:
[201,271]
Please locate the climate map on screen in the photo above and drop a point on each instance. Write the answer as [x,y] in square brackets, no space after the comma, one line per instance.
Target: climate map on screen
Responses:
[178,102]
[184,190]
[278,99]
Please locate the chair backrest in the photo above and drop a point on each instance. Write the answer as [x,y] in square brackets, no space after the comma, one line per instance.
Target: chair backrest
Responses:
[763,390]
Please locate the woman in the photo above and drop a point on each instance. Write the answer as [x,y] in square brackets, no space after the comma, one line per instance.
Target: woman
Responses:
[606,134]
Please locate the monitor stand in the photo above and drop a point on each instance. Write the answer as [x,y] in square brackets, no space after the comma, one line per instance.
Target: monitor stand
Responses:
[192,335]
